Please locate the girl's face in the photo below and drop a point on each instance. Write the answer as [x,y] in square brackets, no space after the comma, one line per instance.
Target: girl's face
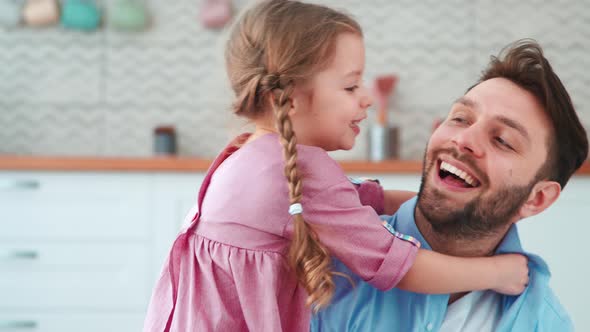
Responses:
[327,111]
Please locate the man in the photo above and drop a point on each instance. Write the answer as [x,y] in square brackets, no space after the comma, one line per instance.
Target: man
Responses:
[504,153]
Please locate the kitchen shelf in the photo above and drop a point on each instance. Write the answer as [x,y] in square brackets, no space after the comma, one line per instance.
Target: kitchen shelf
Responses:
[186,164]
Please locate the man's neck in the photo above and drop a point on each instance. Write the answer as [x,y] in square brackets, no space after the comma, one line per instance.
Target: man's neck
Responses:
[456,246]
[480,247]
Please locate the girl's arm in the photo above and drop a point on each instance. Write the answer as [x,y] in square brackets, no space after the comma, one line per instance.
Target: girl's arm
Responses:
[382,201]
[355,235]
[393,199]
[435,273]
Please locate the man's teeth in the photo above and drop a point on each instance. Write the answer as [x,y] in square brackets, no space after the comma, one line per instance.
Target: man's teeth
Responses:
[454,170]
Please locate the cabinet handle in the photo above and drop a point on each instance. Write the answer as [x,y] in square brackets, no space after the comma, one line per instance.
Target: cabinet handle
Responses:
[18,324]
[20,185]
[23,254]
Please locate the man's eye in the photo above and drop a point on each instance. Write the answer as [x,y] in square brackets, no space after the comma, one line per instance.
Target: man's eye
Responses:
[352,88]
[503,143]
[458,120]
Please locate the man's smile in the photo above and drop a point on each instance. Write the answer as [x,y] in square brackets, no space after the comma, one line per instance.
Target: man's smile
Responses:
[455,176]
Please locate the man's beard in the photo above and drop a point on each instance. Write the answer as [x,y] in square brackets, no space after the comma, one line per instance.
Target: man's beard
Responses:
[482,216]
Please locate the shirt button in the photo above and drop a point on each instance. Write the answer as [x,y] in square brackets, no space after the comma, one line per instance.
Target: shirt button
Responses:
[429,327]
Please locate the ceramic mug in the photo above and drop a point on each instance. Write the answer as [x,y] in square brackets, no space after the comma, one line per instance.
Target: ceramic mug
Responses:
[80,15]
[40,12]
[216,13]
[128,15]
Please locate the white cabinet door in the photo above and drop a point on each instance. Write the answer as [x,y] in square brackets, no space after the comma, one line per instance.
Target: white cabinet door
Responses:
[74,206]
[70,322]
[74,275]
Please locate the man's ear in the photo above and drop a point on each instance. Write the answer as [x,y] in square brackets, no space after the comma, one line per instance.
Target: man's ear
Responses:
[543,194]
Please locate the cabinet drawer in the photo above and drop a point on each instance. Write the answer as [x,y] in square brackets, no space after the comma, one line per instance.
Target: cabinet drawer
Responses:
[70,322]
[79,205]
[105,275]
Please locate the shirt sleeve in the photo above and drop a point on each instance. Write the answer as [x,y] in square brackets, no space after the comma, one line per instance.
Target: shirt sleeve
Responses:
[355,235]
[370,193]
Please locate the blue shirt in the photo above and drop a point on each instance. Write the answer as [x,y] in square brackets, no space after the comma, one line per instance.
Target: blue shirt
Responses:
[364,308]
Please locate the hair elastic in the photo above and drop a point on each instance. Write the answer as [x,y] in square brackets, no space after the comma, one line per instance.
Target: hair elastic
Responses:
[295,208]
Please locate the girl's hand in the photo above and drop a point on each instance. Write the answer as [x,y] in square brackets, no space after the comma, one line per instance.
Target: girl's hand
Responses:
[512,273]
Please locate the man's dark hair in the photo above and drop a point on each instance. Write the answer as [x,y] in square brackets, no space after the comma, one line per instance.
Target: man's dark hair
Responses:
[523,63]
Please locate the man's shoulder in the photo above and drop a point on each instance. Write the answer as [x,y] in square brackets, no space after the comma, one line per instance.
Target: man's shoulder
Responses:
[543,305]
[555,312]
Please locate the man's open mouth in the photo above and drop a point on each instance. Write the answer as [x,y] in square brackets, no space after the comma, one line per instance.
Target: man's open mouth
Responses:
[457,177]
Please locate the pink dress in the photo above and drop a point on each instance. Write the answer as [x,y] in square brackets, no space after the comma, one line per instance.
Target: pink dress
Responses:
[227,271]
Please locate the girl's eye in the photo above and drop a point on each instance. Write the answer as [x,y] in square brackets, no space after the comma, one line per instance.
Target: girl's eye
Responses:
[458,120]
[352,88]
[503,143]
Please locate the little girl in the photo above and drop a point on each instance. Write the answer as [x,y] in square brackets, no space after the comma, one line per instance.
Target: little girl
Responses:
[257,254]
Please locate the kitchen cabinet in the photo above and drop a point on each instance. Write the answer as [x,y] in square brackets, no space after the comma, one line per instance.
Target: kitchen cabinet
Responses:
[86,248]
[76,250]
[35,321]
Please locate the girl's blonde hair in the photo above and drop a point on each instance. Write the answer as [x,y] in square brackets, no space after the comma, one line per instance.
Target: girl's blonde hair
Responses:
[274,46]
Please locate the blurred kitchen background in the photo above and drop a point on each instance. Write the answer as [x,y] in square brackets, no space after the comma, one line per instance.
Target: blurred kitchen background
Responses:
[101,93]
[83,238]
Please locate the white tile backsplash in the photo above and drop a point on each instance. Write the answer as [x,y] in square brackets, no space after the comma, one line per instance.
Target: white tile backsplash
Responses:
[102,93]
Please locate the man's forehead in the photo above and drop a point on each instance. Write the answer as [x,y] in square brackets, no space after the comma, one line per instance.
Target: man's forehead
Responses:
[466,101]
[500,95]
[509,104]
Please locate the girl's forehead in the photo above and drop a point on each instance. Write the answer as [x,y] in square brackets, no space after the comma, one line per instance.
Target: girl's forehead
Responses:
[349,56]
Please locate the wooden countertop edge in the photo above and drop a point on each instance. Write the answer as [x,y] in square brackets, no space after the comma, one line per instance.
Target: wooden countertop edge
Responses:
[171,164]
[185,164]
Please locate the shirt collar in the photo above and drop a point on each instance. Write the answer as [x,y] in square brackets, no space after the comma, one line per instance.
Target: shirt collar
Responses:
[405,222]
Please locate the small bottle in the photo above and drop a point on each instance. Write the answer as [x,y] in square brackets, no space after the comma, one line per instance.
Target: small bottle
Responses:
[164,140]
[383,140]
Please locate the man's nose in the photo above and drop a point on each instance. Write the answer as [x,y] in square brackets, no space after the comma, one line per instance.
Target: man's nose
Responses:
[470,140]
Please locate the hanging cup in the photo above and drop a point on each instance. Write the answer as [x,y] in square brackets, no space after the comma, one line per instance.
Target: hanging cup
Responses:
[39,13]
[80,15]
[128,15]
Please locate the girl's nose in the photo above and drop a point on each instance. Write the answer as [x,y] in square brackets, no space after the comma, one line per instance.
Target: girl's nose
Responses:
[366,98]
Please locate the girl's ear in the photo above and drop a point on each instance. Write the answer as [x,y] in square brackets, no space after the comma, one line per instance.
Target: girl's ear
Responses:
[299,101]
[296,103]
[541,197]
[295,109]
